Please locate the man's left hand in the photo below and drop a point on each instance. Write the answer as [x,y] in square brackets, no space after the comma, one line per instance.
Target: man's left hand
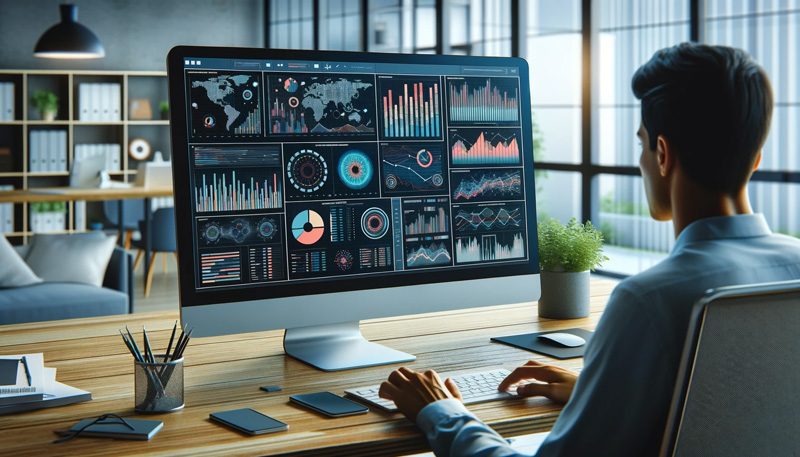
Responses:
[411,391]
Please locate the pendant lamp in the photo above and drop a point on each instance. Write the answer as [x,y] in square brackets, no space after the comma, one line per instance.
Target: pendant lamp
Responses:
[68,39]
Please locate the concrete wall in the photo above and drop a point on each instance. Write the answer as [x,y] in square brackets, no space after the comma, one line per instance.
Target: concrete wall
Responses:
[136,34]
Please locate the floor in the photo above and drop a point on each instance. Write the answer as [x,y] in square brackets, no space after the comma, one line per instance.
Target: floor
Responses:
[163,291]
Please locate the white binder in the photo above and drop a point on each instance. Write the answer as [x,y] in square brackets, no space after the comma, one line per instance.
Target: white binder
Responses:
[83,102]
[96,98]
[116,102]
[34,151]
[62,151]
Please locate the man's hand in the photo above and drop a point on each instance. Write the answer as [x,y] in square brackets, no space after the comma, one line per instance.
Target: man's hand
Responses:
[412,391]
[560,381]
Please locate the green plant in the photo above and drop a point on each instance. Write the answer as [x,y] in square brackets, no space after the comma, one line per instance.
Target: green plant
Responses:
[574,247]
[163,106]
[45,101]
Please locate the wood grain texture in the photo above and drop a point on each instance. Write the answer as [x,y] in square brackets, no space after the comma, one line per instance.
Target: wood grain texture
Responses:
[52,194]
[225,372]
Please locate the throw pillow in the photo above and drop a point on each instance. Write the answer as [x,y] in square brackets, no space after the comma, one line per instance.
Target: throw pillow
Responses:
[71,258]
[14,272]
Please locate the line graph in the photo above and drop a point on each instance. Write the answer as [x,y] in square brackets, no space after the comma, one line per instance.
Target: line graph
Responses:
[485,218]
[412,168]
[488,148]
[428,255]
[482,185]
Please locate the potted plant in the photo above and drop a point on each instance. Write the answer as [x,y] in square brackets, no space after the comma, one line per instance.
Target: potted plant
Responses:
[47,104]
[566,255]
[163,106]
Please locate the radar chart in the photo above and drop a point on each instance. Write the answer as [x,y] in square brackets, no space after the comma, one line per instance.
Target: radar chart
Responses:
[332,105]
[308,227]
[415,168]
[487,185]
[307,170]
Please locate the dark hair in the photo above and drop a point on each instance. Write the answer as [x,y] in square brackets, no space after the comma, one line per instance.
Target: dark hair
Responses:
[714,105]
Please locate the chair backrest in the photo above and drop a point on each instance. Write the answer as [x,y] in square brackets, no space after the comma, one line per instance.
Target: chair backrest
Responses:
[163,226]
[738,388]
[132,212]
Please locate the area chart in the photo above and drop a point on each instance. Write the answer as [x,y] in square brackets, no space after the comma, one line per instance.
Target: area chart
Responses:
[487,149]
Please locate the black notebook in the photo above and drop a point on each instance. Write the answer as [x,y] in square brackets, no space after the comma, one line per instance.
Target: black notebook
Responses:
[143,429]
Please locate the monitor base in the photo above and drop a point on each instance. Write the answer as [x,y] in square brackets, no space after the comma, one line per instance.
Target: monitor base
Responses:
[336,347]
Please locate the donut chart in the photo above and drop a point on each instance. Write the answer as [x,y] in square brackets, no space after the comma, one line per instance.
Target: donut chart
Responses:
[374,223]
[308,227]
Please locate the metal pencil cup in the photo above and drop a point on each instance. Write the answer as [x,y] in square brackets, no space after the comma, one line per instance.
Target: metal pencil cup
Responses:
[159,386]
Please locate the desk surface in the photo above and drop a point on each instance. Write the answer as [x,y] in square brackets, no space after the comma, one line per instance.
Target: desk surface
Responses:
[225,372]
[52,194]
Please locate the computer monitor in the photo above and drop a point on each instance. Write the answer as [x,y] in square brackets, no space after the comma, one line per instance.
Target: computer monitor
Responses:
[316,189]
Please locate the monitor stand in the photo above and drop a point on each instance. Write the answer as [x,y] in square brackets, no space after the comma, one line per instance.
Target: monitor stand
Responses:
[336,347]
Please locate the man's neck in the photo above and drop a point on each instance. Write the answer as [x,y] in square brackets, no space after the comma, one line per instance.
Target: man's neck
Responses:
[691,202]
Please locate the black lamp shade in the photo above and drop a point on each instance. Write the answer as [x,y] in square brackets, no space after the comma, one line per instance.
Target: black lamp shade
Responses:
[68,39]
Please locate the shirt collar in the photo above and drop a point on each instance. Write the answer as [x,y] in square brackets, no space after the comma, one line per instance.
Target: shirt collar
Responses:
[712,228]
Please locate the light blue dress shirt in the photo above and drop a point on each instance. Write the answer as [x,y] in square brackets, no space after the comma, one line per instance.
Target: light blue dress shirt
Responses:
[620,403]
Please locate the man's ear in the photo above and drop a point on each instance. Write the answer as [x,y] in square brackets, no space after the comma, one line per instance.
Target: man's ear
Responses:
[757,162]
[665,155]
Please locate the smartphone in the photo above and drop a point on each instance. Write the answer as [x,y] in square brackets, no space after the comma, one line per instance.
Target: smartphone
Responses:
[249,421]
[329,404]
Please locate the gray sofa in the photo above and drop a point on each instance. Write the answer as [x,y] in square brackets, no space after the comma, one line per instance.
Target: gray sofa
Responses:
[61,300]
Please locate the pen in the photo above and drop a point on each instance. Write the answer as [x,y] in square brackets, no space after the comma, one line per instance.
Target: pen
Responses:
[148,351]
[27,370]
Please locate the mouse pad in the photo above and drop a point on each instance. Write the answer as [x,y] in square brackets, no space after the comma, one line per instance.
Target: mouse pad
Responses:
[530,342]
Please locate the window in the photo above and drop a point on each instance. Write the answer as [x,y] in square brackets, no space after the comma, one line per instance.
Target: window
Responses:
[291,24]
[340,25]
[479,27]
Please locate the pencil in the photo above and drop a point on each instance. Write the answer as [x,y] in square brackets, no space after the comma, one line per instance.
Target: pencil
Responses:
[147,349]
[135,346]
[171,339]
[27,370]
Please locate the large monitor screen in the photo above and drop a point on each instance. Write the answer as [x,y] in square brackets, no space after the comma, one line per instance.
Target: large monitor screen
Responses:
[301,173]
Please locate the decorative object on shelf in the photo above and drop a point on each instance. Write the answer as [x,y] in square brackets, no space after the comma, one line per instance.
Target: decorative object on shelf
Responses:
[47,104]
[163,106]
[139,149]
[140,109]
[68,39]
[566,254]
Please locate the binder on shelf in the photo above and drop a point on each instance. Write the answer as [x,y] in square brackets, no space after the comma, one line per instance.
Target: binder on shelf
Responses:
[6,101]
[83,102]
[116,102]
[62,151]
[52,150]
[96,100]
[6,213]
[33,151]
[79,215]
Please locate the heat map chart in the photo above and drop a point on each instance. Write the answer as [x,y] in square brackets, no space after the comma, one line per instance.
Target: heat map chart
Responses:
[429,253]
[487,185]
[225,106]
[483,101]
[490,247]
[489,217]
[415,168]
[330,105]
[237,190]
[410,107]
[480,147]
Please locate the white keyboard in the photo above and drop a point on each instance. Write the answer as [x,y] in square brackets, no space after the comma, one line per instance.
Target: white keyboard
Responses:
[475,388]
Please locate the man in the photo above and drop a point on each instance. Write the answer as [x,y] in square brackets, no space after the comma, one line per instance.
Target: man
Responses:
[705,116]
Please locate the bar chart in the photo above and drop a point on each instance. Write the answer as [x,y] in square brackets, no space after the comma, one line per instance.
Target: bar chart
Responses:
[410,108]
[224,191]
[484,100]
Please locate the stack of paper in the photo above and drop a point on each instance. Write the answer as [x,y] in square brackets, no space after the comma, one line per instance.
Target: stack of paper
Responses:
[99,102]
[26,384]
[47,151]
[110,151]
[6,101]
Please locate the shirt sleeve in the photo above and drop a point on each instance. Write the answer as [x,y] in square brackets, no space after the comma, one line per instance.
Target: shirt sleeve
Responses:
[454,431]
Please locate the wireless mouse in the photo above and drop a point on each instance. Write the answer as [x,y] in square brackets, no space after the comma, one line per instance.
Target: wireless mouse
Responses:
[564,339]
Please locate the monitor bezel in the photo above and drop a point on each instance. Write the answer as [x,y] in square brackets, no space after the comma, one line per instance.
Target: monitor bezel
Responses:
[188,293]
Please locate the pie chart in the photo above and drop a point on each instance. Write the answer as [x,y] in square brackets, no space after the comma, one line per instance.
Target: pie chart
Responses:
[308,227]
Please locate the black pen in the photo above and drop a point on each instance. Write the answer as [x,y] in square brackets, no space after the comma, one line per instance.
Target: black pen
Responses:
[147,349]
[27,370]
[135,346]
[171,339]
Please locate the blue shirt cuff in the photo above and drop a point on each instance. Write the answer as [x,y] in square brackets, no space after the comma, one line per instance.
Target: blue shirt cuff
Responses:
[435,412]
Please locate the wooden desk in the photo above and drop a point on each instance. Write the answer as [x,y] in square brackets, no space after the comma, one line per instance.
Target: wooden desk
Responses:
[224,373]
[66,194]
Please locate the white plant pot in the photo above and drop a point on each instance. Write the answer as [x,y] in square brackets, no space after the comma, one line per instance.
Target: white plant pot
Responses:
[565,295]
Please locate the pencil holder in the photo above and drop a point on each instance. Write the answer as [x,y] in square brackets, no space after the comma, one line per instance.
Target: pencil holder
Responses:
[159,386]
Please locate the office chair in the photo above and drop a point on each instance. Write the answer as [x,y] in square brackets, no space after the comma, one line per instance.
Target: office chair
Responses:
[737,390]
[132,213]
[162,239]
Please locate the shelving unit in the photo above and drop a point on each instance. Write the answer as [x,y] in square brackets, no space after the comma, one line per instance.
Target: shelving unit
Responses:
[15,134]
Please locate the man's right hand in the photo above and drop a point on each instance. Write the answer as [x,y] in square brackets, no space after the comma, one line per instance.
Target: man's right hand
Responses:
[558,387]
